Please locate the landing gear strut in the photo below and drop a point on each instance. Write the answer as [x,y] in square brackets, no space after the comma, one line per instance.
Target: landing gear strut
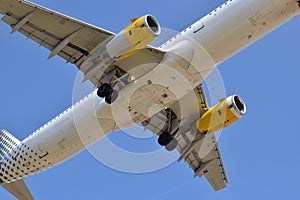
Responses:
[106,91]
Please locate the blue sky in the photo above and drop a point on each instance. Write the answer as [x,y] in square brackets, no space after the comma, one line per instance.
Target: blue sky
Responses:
[260,151]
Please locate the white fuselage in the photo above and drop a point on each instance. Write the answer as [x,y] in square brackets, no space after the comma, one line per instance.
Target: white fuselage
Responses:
[211,40]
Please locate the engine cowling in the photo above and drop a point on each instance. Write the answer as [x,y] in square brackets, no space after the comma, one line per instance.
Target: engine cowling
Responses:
[137,35]
[222,115]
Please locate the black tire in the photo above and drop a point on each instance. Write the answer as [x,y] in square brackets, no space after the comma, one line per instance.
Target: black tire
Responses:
[111,97]
[164,139]
[172,145]
[104,90]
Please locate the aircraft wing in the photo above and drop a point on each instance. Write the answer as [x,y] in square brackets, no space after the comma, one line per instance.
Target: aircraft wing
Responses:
[202,152]
[64,36]
[204,157]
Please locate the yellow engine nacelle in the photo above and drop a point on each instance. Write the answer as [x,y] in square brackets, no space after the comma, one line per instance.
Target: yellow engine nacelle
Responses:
[137,35]
[141,32]
[222,115]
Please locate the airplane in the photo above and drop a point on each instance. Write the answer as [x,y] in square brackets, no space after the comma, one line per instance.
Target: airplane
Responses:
[170,78]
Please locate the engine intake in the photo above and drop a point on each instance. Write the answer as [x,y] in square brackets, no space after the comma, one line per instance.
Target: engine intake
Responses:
[153,25]
[236,105]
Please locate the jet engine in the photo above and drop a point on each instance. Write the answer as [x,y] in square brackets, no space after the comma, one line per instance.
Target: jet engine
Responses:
[137,35]
[223,114]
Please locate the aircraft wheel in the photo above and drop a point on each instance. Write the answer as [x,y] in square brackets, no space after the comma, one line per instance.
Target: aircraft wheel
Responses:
[104,90]
[111,97]
[172,145]
[164,139]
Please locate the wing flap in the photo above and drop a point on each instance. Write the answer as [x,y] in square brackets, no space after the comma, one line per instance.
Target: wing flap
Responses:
[215,173]
[45,40]
[205,159]
[49,29]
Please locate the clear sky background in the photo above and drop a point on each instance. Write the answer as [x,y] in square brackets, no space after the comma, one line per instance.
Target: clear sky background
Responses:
[260,152]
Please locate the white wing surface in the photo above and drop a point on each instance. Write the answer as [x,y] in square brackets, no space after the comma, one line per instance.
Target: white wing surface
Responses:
[69,38]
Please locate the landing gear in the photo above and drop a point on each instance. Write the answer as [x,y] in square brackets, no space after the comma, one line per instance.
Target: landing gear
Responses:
[167,140]
[109,99]
[172,145]
[167,137]
[106,91]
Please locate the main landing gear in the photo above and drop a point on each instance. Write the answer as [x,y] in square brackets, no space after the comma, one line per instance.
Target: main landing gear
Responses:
[166,138]
[106,91]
